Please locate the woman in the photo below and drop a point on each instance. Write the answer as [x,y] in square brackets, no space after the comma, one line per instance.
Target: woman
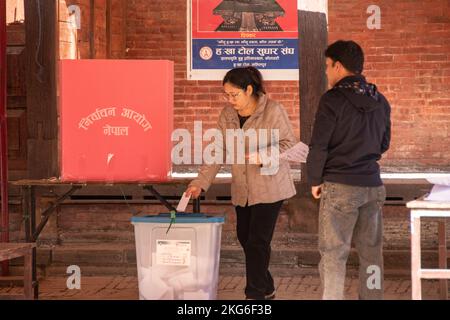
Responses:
[256,195]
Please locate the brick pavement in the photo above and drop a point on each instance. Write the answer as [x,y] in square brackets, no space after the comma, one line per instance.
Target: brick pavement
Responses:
[305,287]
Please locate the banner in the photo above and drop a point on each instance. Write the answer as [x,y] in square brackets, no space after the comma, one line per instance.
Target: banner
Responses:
[226,34]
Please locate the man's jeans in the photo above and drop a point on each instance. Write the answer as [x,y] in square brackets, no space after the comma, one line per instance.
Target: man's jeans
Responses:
[346,213]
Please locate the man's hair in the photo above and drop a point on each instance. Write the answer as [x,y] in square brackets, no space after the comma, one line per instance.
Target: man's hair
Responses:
[348,53]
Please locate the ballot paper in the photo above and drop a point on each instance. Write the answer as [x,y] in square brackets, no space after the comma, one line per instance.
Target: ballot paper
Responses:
[184,201]
[297,153]
[441,180]
[441,189]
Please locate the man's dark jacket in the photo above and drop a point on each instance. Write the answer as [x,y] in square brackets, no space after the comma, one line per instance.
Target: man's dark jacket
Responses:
[352,130]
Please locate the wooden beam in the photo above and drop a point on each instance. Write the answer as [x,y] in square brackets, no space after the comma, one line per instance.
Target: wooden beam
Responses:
[41,55]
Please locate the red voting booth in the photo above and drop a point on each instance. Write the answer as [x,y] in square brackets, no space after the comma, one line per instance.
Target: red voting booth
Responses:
[116,120]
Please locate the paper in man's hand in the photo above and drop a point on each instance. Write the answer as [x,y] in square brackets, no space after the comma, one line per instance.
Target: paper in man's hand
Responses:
[441,188]
[297,153]
[184,201]
[439,193]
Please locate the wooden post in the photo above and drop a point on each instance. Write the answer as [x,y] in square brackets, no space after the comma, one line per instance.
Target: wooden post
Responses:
[109,37]
[3,137]
[124,28]
[28,275]
[92,29]
[313,82]
[313,36]
[41,55]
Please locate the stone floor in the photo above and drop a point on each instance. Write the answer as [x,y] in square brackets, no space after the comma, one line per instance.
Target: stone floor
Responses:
[305,287]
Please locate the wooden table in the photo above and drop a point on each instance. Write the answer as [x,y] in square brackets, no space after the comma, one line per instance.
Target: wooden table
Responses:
[440,211]
[10,251]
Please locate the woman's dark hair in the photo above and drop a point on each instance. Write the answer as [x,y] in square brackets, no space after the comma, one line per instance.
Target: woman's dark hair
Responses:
[348,53]
[244,77]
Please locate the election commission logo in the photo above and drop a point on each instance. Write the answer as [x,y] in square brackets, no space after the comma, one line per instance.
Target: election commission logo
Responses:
[206,53]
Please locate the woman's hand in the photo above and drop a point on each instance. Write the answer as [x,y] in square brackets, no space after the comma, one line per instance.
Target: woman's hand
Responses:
[253,158]
[193,192]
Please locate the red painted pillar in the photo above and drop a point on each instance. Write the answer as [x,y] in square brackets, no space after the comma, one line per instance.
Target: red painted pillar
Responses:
[3,136]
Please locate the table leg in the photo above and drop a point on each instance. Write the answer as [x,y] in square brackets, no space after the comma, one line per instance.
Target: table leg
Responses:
[28,275]
[33,211]
[415,257]
[26,212]
[443,283]
[196,205]
[35,283]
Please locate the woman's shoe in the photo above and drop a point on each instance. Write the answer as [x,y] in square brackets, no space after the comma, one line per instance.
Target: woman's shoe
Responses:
[270,296]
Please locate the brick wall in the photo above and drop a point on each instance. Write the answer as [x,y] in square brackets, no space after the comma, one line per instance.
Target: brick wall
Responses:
[99,238]
[14,11]
[118,28]
[409,60]
[157,30]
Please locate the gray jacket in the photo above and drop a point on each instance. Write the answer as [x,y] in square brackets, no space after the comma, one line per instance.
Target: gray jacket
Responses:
[250,184]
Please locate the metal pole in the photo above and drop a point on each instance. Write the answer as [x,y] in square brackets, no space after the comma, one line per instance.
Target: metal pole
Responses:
[3,136]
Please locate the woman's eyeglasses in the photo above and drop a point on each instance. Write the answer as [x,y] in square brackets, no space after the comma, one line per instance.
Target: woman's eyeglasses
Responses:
[231,96]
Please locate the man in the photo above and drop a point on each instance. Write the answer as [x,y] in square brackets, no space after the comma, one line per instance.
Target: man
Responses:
[351,132]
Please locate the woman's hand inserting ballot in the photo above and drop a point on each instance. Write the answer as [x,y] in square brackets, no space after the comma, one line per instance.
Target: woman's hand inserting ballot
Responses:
[193,192]
[253,158]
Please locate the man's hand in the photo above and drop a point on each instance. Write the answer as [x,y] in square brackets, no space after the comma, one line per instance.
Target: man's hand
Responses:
[317,191]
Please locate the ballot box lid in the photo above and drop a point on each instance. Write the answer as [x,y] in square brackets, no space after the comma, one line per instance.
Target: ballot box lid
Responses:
[180,218]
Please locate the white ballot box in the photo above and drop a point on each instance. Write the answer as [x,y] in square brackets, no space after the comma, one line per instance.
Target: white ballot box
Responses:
[178,259]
